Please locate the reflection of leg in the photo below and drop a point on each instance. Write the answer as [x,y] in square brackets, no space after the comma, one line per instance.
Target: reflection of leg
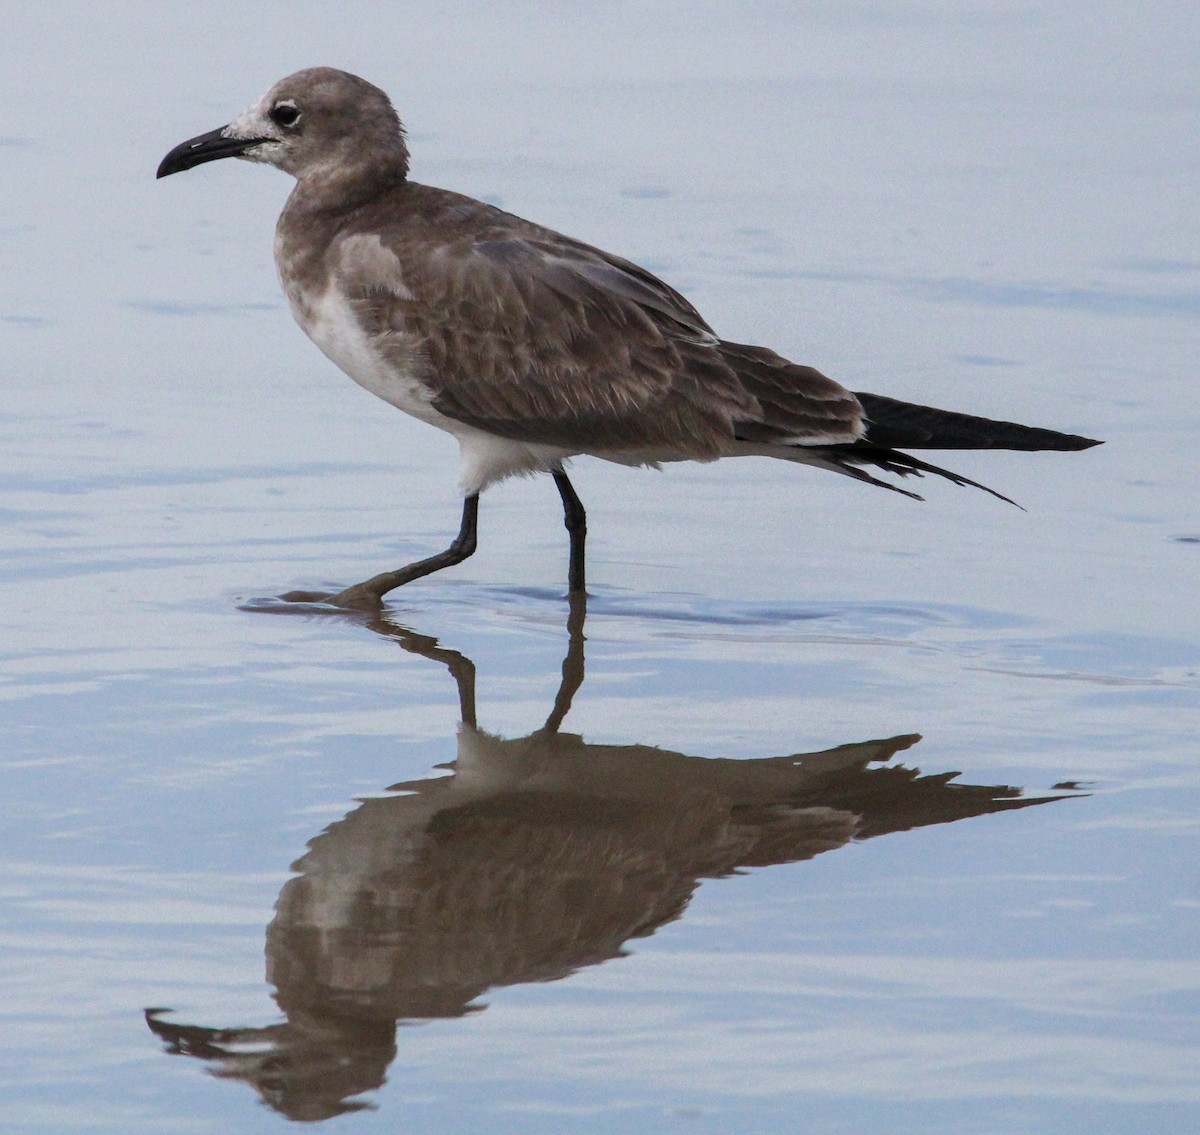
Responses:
[575,519]
[573,663]
[369,594]
[461,668]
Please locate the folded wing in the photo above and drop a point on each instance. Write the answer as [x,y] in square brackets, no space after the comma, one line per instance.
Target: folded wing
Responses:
[531,336]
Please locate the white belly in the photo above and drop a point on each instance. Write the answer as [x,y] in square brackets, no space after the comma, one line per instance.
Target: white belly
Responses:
[332,324]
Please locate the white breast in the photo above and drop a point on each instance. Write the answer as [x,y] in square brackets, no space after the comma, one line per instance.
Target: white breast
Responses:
[331,322]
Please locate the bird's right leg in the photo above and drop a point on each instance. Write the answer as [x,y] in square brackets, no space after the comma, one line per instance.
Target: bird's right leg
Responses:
[575,520]
[369,594]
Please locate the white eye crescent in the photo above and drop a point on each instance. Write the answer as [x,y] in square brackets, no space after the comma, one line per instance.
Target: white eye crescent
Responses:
[284,113]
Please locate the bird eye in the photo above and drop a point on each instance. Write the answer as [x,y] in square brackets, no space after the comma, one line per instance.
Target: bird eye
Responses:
[285,114]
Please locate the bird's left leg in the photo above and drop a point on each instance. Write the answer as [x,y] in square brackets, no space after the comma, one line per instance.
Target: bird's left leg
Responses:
[369,594]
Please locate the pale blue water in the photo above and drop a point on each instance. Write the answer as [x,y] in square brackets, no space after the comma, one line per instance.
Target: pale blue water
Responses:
[990,210]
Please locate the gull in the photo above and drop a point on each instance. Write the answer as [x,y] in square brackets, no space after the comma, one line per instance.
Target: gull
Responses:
[528,347]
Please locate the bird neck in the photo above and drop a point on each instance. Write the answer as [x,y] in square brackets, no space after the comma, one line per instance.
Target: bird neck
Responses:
[340,188]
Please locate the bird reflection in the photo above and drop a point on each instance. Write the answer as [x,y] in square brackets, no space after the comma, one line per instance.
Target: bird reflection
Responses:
[535,857]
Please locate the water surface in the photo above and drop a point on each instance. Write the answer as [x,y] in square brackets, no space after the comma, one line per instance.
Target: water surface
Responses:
[839,812]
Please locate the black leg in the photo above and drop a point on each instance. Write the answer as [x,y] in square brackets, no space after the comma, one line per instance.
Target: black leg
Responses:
[369,594]
[575,519]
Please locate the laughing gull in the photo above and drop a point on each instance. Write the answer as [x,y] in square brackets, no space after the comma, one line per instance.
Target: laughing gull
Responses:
[527,346]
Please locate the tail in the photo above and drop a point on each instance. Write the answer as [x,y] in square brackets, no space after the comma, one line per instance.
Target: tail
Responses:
[891,423]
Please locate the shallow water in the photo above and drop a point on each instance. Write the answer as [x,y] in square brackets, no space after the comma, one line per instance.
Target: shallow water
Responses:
[677,877]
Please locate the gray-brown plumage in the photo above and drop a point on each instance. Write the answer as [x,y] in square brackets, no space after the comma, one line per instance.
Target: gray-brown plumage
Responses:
[530,347]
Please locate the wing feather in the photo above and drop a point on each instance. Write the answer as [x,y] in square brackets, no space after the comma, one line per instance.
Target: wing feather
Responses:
[532,336]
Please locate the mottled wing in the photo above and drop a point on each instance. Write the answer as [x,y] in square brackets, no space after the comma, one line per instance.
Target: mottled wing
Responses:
[544,341]
[797,405]
[529,335]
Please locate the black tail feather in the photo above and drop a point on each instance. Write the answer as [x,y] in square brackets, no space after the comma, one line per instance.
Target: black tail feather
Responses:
[848,457]
[895,424]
